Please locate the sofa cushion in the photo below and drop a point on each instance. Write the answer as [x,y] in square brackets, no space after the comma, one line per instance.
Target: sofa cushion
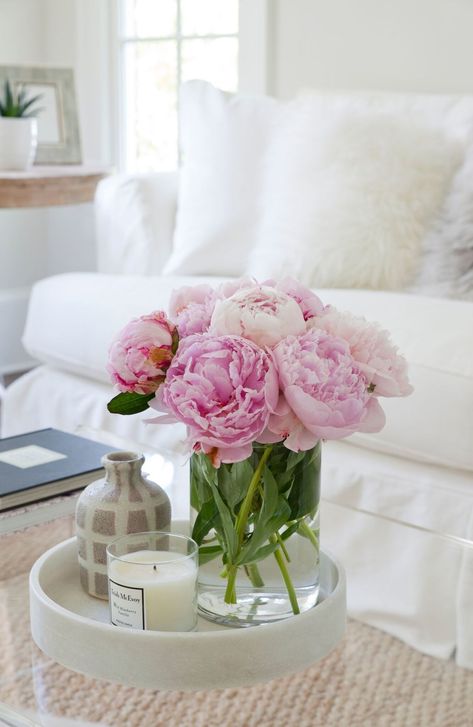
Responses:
[223,140]
[234,189]
[447,263]
[73,318]
[349,196]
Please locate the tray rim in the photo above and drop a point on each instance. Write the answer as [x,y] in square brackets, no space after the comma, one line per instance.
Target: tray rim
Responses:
[35,585]
[223,657]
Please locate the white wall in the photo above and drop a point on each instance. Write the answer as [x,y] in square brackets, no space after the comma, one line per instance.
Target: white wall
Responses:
[82,43]
[401,45]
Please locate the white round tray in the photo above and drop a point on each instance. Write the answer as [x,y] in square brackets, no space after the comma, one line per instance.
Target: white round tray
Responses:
[74,629]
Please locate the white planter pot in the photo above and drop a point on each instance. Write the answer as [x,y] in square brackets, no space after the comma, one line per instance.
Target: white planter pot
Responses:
[18,142]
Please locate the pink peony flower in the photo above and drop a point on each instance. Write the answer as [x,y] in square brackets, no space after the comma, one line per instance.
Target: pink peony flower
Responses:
[192,307]
[325,393]
[260,314]
[141,353]
[224,390]
[372,349]
[225,290]
[309,303]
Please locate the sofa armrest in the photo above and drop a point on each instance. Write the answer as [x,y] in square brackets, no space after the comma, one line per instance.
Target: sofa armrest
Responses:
[135,215]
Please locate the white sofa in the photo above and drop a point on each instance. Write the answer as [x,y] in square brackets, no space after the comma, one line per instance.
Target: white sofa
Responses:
[410,581]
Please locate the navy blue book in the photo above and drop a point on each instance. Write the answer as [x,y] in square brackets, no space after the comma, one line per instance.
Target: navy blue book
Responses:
[46,463]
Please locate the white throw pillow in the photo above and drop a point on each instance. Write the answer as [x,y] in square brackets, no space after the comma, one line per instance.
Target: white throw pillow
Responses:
[447,262]
[223,141]
[349,195]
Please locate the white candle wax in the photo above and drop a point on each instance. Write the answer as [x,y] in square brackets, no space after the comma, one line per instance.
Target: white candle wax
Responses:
[148,593]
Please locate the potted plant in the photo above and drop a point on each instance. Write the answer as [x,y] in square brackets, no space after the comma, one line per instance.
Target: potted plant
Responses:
[18,128]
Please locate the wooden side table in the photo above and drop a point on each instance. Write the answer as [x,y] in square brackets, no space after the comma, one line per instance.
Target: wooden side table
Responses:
[50,186]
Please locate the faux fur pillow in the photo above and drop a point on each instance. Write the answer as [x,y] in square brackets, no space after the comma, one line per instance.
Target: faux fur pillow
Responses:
[447,262]
[348,197]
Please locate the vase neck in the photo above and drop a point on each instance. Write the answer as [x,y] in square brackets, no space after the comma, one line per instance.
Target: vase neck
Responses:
[123,468]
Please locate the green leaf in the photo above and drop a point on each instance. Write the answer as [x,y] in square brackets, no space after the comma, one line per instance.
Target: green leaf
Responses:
[271,492]
[15,102]
[262,553]
[129,403]
[228,525]
[294,459]
[8,95]
[25,105]
[274,513]
[233,482]
[21,96]
[208,553]
[289,531]
[200,490]
[33,114]
[207,518]
[305,491]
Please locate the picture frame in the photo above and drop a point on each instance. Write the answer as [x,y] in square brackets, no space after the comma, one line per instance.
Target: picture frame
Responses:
[58,123]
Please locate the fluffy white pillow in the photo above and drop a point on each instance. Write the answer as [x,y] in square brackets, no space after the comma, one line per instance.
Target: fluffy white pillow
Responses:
[349,195]
[446,267]
[223,140]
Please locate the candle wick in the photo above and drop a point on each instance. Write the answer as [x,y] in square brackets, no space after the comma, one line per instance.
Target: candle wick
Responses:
[155,568]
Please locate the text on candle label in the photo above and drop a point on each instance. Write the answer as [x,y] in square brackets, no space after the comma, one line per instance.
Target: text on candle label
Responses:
[127,606]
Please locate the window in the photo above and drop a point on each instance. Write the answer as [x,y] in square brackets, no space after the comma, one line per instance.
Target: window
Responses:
[161,44]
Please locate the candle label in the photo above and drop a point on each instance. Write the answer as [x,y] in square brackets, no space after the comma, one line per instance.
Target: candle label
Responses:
[127,606]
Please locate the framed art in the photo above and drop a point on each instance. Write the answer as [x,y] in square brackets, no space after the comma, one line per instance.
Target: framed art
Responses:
[58,124]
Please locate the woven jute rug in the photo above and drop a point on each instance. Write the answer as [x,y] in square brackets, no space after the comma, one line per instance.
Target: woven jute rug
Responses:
[370,680]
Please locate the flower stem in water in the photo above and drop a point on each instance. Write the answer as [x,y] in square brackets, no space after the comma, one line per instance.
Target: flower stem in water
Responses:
[285,575]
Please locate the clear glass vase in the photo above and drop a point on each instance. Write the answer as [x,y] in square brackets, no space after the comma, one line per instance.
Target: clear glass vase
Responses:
[257,525]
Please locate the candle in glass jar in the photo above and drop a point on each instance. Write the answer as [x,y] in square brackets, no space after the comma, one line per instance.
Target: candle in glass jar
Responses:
[153,589]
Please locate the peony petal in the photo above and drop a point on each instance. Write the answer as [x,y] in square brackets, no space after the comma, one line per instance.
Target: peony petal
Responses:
[164,419]
[311,412]
[300,439]
[228,455]
[375,418]
[269,437]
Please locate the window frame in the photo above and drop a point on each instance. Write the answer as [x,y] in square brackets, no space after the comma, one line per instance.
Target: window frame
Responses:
[255,30]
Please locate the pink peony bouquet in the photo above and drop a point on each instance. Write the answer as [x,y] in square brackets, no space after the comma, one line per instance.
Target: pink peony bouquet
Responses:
[258,373]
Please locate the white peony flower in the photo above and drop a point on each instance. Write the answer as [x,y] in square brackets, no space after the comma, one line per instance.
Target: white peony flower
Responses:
[260,313]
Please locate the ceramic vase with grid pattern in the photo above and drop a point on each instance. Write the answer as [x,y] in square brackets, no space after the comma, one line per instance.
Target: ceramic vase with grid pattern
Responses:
[120,503]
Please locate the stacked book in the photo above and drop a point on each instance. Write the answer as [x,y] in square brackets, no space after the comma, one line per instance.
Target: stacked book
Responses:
[44,464]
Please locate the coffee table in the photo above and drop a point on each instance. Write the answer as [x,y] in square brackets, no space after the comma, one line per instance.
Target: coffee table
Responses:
[370,679]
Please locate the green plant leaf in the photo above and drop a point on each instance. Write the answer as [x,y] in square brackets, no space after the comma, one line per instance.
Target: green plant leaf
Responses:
[227,523]
[16,103]
[304,495]
[289,531]
[274,513]
[26,104]
[262,553]
[129,403]
[294,459]
[207,518]
[208,553]
[200,490]
[233,482]
[32,114]
[8,95]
